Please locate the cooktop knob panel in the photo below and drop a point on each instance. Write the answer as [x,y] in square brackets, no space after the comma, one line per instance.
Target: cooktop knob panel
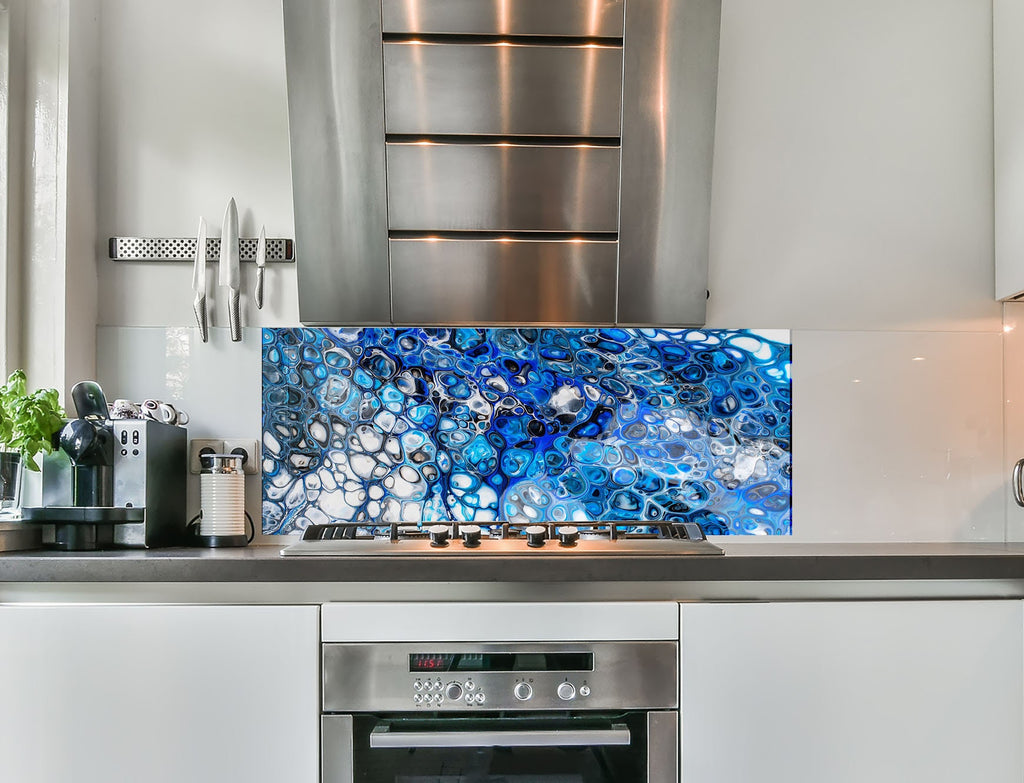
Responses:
[522,691]
[438,535]
[566,691]
[536,535]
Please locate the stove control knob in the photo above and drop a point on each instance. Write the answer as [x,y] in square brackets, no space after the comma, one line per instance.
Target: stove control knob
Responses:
[568,535]
[536,535]
[470,535]
[566,691]
[453,692]
[438,535]
[522,691]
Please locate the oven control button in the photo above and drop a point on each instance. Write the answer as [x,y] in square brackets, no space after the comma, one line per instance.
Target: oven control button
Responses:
[417,699]
[470,535]
[470,685]
[522,691]
[438,535]
[469,698]
[417,686]
[479,698]
[536,535]
[453,692]
[566,691]
[584,690]
[438,698]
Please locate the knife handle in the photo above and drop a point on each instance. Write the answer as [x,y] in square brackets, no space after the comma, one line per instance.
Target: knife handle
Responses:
[258,293]
[234,317]
[199,306]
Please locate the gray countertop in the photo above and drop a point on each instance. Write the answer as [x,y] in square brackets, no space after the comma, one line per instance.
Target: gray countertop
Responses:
[755,561]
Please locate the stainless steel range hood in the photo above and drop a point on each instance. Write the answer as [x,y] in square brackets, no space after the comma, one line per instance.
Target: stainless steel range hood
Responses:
[502,161]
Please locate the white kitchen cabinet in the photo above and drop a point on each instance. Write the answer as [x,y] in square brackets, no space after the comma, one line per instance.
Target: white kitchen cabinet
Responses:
[161,694]
[1008,128]
[851,692]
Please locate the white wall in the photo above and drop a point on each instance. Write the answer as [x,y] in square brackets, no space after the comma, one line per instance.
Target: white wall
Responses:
[852,204]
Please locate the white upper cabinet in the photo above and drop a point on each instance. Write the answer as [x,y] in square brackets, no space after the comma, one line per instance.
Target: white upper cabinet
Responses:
[1008,95]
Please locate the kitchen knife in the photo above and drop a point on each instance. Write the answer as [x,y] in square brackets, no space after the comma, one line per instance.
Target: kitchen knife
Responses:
[229,274]
[199,281]
[261,262]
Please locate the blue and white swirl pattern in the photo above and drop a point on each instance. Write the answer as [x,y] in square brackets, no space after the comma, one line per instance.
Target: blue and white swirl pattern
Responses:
[419,425]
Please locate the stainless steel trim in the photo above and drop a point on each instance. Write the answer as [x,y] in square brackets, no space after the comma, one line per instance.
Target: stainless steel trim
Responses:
[335,79]
[663,747]
[665,549]
[364,677]
[1018,482]
[502,89]
[593,18]
[383,737]
[184,249]
[493,281]
[336,749]
[670,71]
[502,187]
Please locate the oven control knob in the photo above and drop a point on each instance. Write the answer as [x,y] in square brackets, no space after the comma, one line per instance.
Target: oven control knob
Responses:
[566,691]
[536,535]
[470,535]
[453,692]
[584,690]
[522,691]
[568,535]
[438,535]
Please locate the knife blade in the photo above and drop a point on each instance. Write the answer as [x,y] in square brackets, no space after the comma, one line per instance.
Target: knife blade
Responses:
[229,273]
[199,282]
[261,262]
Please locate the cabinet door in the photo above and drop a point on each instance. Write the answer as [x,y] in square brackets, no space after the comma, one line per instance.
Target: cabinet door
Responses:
[162,694]
[1008,119]
[905,692]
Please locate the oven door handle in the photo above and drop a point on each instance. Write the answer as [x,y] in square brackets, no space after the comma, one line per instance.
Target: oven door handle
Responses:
[383,737]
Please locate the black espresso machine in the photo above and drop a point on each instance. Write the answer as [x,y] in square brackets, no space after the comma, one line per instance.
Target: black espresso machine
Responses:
[114,482]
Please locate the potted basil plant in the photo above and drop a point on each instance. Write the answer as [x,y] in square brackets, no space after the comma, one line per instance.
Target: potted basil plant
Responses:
[28,423]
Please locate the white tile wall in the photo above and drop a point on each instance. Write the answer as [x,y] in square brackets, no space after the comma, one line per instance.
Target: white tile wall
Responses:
[853,166]
[897,436]
[217,383]
[1013,396]
[852,204]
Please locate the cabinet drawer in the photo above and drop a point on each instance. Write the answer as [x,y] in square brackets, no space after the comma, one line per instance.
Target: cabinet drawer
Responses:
[502,281]
[502,187]
[502,89]
[597,18]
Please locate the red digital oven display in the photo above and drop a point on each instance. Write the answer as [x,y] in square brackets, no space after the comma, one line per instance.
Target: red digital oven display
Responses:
[430,662]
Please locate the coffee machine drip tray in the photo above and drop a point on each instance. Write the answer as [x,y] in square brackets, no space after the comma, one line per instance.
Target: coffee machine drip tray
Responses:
[89,515]
[79,528]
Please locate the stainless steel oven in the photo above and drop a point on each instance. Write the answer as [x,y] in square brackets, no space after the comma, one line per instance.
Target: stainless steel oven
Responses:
[518,712]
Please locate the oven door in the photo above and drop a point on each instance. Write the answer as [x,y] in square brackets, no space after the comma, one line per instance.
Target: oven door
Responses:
[631,747]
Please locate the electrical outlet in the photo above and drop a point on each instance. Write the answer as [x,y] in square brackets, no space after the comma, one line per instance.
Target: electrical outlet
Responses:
[199,446]
[250,451]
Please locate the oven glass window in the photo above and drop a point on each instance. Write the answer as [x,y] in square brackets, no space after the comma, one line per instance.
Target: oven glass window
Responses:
[481,759]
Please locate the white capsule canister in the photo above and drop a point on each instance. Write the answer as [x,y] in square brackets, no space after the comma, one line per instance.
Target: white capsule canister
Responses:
[222,499]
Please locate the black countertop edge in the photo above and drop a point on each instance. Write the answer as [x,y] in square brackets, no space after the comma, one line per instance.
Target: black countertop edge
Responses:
[743,562]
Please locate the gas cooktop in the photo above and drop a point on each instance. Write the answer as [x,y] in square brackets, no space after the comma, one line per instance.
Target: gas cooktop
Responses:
[463,539]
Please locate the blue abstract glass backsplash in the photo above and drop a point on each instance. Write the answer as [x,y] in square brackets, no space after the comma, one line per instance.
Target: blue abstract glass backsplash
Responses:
[524,425]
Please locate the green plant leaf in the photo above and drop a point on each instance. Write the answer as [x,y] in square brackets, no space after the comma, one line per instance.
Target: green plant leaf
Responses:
[28,422]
